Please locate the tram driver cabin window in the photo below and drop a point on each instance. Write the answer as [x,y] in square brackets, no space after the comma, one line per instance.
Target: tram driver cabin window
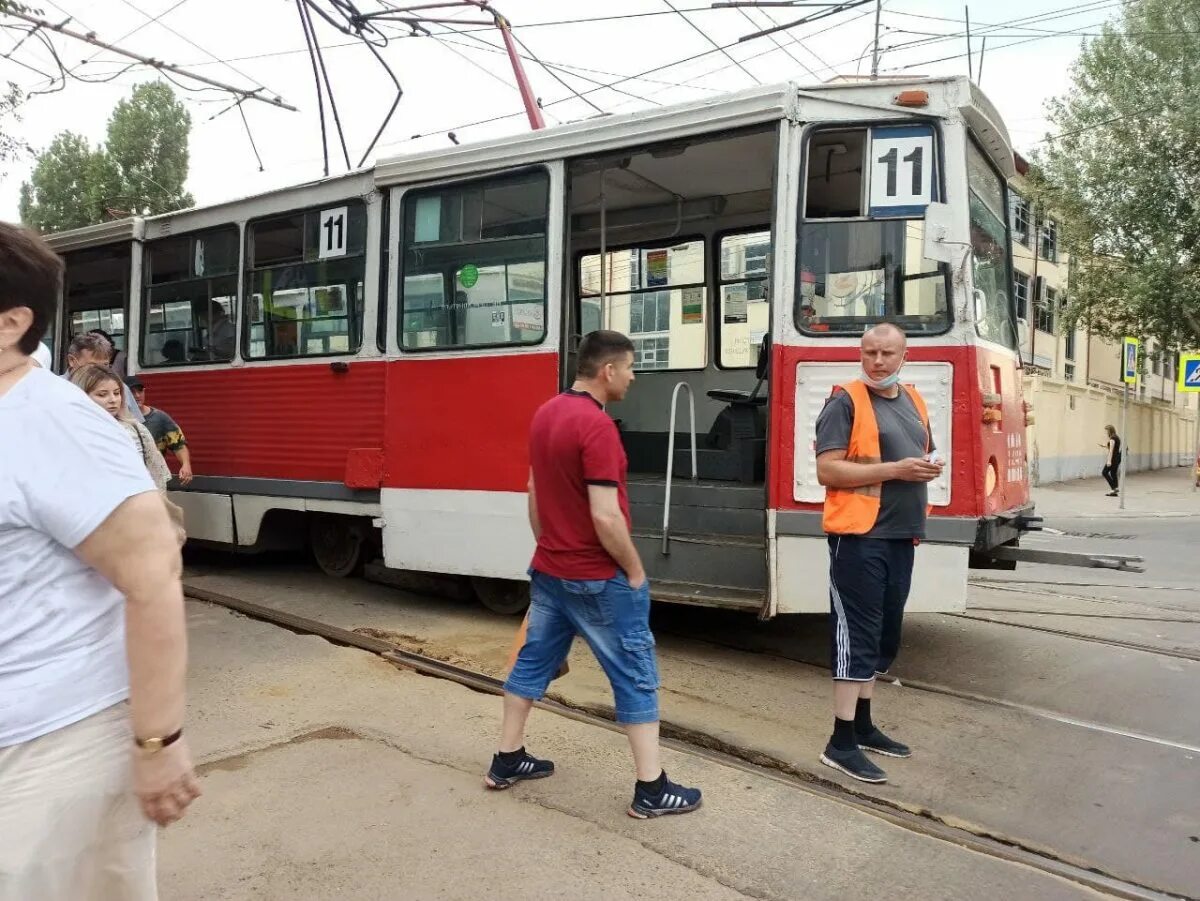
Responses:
[191,298]
[304,282]
[474,263]
[862,233]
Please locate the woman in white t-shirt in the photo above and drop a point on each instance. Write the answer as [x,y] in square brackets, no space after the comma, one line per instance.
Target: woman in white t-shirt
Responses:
[93,647]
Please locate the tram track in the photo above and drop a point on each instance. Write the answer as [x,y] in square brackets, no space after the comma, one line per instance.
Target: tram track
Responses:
[917,819]
[1079,636]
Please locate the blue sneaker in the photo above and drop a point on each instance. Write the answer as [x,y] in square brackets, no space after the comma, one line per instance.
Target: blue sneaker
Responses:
[672,798]
[502,775]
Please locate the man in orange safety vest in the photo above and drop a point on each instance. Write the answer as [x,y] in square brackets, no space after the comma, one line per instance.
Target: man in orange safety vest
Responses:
[875,456]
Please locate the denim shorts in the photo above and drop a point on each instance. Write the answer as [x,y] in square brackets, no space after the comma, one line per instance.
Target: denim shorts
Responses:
[613,618]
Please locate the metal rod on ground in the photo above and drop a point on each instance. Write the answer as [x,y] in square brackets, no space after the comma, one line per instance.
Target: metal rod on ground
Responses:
[147,60]
[1124,467]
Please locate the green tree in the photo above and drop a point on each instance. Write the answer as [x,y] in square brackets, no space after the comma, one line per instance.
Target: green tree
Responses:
[1122,172]
[148,150]
[141,169]
[11,146]
[68,187]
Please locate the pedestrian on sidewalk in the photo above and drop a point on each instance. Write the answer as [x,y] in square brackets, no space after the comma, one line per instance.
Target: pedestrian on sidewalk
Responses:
[587,577]
[1112,461]
[93,647]
[875,456]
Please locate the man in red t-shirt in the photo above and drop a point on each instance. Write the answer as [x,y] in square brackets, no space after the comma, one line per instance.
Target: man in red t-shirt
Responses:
[587,578]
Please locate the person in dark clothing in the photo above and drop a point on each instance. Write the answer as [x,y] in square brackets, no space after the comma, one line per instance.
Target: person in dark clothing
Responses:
[1112,461]
[875,457]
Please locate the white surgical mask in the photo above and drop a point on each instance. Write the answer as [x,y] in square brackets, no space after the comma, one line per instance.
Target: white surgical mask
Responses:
[880,384]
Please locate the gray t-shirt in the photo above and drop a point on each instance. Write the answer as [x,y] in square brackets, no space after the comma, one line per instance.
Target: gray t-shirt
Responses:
[901,434]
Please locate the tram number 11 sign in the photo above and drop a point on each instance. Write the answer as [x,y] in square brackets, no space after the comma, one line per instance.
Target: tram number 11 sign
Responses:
[902,174]
[331,233]
[1189,373]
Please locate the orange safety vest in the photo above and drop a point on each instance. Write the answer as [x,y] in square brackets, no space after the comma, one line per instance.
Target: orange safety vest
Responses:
[853,511]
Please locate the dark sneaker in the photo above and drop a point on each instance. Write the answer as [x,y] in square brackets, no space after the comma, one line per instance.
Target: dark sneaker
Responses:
[878,743]
[853,763]
[502,775]
[673,798]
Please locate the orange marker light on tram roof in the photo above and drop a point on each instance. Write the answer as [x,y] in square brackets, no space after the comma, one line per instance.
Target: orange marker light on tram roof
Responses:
[912,98]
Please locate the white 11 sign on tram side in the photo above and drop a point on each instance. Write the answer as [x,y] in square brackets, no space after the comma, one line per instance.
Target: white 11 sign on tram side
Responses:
[902,171]
[332,226]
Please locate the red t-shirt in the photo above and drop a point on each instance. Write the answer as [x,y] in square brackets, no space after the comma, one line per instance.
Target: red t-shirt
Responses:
[573,444]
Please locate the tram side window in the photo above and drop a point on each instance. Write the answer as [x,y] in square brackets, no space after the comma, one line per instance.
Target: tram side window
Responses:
[745,311]
[474,263]
[654,294]
[995,309]
[191,298]
[304,283]
[861,256]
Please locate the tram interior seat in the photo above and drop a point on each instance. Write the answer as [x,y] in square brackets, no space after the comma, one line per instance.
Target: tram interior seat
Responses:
[735,447]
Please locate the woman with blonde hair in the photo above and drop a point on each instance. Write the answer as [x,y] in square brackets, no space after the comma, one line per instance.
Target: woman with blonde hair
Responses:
[105,388]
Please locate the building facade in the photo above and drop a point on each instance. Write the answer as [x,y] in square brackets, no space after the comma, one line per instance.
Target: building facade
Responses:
[1073,378]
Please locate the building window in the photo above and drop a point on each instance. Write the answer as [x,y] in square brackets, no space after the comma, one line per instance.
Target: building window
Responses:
[744,309]
[651,353]
[190,298]
[1049,241]
[1020,220]
[654,294]
[304,283]
[1021,292]
[474,263]
[1045,311]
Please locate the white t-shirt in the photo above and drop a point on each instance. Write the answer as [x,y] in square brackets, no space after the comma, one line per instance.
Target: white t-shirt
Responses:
[65,465]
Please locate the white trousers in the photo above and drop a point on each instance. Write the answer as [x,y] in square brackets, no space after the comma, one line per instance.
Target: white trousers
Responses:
[71,828]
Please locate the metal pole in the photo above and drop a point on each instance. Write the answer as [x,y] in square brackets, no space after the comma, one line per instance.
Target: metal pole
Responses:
[1192,464]
[875,52]
[970,60]
[1124,443]
[532,110]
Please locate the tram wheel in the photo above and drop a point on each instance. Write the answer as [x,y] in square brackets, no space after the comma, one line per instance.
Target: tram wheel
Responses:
[503,596]
[338,543]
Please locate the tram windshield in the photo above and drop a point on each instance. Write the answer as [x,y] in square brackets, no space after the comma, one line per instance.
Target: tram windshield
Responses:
[862,233]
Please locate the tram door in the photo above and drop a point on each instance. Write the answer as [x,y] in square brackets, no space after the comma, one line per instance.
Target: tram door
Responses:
[95,296]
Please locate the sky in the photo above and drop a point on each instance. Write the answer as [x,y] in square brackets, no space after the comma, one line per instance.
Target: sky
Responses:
[459,76]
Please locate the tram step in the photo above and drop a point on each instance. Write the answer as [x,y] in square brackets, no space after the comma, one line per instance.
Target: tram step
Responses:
[708,507]
[698,595]
[728,561]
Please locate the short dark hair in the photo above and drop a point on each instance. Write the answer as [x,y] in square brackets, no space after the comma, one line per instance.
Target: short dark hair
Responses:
[30,276]
[597,349]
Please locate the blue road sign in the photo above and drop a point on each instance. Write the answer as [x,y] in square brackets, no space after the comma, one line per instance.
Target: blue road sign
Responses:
[1129,357]
[1189,373]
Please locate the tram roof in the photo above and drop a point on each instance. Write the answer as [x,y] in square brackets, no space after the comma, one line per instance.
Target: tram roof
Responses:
[949,97]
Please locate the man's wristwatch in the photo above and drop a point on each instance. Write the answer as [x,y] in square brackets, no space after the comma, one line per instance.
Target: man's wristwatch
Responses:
[154,745]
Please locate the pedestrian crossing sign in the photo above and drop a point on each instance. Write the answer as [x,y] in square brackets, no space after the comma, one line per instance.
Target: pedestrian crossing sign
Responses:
[1189,373]
[1129,360]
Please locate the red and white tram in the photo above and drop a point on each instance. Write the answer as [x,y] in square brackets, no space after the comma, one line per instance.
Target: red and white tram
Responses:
[355,361]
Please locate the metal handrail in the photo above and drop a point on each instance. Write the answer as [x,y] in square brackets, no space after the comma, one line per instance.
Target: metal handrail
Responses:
[666,545]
